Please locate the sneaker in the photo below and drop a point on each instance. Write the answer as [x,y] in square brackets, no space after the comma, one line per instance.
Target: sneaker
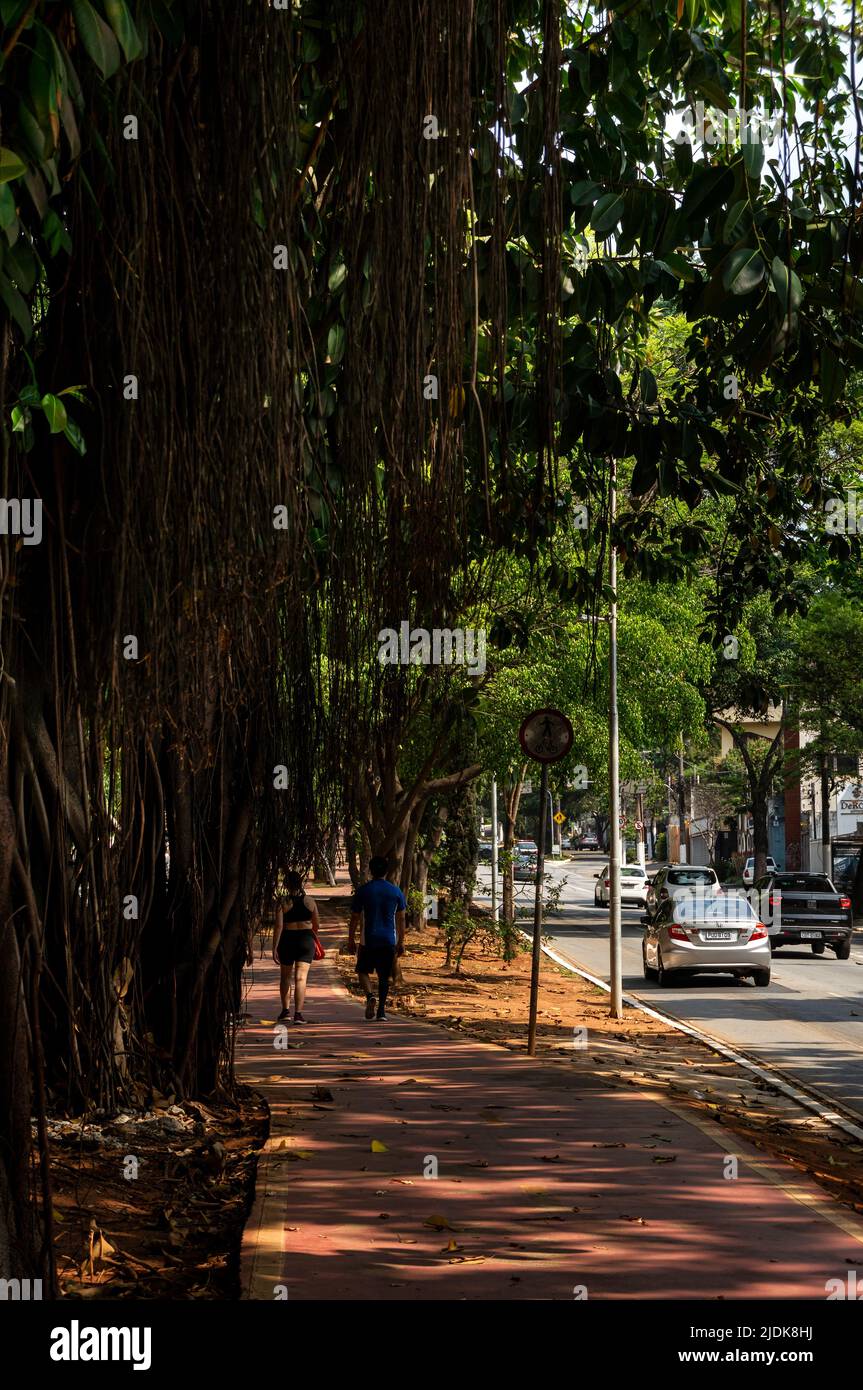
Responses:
[382,1016]
[298,1018]
[284,1016]
[370,1006]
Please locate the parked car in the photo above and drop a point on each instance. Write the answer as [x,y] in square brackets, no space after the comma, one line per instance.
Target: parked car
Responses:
[633,885]
[719,933]
[485,852]
[525,866]
[675,879]
[804,909]
[770,867]
[586,841]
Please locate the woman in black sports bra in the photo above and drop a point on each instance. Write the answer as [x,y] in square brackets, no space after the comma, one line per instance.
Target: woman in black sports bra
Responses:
[294,944]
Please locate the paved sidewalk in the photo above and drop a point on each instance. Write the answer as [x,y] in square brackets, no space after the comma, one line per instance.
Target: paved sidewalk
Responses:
[548,1186]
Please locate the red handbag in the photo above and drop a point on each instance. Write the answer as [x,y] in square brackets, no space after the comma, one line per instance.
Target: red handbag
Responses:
[319,950]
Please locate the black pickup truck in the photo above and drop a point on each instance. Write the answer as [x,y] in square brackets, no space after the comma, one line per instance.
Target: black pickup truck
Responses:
[801,909]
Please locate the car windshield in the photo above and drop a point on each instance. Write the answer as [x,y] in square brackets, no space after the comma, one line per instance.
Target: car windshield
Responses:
[684,876]
[813,883]
[632,873]
[727,908]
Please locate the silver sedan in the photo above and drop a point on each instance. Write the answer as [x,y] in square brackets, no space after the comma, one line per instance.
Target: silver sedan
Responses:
[701,931]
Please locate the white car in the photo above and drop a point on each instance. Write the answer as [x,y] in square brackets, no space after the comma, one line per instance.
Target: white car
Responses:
[633,885]
[771,867]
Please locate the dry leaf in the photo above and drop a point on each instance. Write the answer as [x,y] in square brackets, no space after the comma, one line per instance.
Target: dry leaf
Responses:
[439,1223]
[378,1147]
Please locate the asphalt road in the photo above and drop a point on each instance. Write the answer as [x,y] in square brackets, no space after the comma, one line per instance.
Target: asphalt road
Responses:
[809,1021]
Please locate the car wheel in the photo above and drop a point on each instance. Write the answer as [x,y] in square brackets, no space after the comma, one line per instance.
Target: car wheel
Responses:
[817,948]
[761,978]
[650,972]
[663,976]
[843,950]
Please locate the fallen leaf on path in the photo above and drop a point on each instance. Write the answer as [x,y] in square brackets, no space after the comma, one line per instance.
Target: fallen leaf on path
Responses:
[546,1158]
[378,1147]
[439,1223]
[664,1158]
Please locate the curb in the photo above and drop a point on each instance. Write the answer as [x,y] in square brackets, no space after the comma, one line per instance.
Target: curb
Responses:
[822,1106]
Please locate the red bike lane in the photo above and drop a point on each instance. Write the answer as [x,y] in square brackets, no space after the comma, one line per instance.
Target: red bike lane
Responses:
[408,1163]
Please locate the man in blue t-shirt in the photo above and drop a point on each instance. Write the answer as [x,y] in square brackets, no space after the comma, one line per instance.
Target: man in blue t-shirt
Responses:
[379,909]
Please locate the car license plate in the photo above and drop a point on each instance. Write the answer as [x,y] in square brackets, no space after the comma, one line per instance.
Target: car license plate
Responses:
[716,936]
[811,935]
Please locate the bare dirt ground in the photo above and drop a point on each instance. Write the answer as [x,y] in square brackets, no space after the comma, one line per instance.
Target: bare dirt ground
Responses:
[152,1205]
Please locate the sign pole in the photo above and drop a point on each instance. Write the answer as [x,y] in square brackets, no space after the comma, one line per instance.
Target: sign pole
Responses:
[546,736]
[537,915]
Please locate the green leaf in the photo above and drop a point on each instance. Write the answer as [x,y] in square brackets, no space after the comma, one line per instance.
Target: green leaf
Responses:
[744,269]
[336,343]
[647,386]
[55,413]
[8,210]
[75,437]
[12,10]
[607,213]
[21,265]
[680,266]
[96,37]
[732,222]
[17,306]
[789,290]
[832,376]
[123,25]
[42,83]
[753,157]
[337,275]
[55,233]
[11,165]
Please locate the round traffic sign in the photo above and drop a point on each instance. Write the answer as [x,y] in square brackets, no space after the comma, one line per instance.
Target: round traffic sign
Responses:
[546,735]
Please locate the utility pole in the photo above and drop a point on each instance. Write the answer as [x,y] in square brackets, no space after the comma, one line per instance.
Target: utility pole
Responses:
[681,803]
[614,923]
[537,916]
[494,861]
[642,853]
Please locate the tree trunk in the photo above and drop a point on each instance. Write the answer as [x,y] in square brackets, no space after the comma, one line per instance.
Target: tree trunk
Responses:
[18,1256]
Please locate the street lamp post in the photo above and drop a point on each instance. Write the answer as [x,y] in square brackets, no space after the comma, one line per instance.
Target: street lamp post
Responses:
[614,917]
[494,860]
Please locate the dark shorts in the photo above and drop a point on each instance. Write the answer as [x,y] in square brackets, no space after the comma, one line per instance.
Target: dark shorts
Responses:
[296,944]
[376,960]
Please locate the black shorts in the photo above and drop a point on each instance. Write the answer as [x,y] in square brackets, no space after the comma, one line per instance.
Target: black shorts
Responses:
[376,960]
[296,944]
